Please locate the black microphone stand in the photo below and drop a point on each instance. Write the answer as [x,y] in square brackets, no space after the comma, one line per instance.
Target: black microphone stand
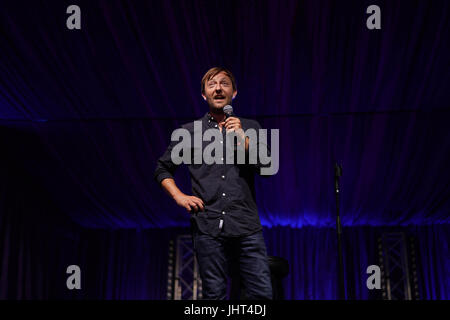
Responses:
[337,175]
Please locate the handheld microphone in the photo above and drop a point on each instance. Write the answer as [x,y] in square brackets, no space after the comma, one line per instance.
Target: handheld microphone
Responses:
[228,110]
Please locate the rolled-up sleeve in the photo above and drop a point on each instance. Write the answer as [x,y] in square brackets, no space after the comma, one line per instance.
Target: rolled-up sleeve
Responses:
[165,168]
[261,145]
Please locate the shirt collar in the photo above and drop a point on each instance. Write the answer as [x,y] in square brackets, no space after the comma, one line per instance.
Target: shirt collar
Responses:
[209,120]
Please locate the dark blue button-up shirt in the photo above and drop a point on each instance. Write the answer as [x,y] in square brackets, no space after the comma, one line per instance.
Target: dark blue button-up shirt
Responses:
[227,190]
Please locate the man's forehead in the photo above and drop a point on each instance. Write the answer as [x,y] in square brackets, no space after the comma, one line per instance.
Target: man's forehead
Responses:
[220,76]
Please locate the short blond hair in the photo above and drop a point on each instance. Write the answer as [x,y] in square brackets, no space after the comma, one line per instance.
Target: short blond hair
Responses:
[211,73]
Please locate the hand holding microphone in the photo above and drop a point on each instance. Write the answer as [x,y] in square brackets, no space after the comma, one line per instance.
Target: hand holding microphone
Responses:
[232,123]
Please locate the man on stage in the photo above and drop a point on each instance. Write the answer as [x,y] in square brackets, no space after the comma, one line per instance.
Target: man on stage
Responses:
[224,217]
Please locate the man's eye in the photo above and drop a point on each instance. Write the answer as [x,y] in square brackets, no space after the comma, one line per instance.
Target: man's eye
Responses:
[225,84]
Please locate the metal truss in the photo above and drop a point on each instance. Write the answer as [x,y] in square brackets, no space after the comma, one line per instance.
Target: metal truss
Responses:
[183,281]
[396,271]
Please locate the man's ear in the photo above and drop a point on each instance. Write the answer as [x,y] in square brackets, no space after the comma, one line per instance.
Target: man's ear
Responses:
[234,94]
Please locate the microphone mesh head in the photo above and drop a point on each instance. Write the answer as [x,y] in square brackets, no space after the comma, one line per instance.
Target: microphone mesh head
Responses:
[228,110]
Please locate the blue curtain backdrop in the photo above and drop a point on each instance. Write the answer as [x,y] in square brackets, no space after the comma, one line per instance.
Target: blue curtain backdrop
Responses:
[84,115]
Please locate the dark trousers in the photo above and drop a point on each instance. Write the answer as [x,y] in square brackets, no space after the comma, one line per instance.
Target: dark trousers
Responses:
[215,257]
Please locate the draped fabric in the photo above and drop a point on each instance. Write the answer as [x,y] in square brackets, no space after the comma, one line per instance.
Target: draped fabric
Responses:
[312,254]
[84,114]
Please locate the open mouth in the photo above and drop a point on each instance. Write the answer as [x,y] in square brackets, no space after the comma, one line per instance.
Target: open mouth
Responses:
[219,98]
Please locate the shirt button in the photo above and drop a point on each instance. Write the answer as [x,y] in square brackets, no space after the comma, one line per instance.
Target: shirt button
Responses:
[223,194]
[223,177]
[223,212]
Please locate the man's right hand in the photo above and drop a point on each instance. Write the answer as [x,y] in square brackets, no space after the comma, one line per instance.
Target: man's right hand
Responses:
[191,203]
